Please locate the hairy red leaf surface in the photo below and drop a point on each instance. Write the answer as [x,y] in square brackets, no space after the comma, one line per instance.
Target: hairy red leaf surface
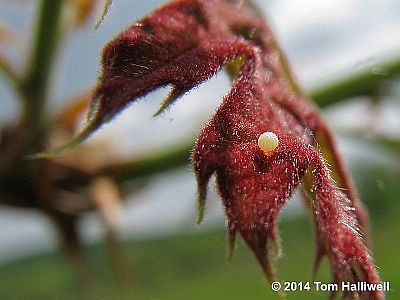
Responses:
[186,42]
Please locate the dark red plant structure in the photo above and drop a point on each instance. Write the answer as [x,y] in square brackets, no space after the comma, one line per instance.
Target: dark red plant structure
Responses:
[186,42]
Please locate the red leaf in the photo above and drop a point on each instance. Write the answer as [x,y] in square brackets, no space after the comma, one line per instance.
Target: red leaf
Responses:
[185,43]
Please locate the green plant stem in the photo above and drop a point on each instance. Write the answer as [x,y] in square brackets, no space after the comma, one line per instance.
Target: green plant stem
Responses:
[151,164]
[35,83]
[366,82]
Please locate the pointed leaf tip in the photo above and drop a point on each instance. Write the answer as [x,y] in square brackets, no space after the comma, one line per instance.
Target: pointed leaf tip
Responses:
[201,203]
[83,135]
[232,244]
[106,9]
[173,95]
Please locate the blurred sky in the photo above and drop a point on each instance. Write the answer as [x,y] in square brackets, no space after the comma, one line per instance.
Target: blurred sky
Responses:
[322,39]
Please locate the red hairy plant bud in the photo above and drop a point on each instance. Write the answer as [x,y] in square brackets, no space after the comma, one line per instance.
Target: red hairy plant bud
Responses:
[263,140]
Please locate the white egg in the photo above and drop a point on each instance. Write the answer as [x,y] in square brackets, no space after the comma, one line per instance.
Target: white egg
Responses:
[268,141]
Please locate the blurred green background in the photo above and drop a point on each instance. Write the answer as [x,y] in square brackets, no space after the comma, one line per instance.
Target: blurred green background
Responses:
[195,266]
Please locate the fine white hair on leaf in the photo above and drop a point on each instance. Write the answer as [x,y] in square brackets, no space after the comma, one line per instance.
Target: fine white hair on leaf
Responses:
[268,141]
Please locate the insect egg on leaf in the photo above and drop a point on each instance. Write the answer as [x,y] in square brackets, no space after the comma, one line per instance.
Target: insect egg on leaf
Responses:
[268,141]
